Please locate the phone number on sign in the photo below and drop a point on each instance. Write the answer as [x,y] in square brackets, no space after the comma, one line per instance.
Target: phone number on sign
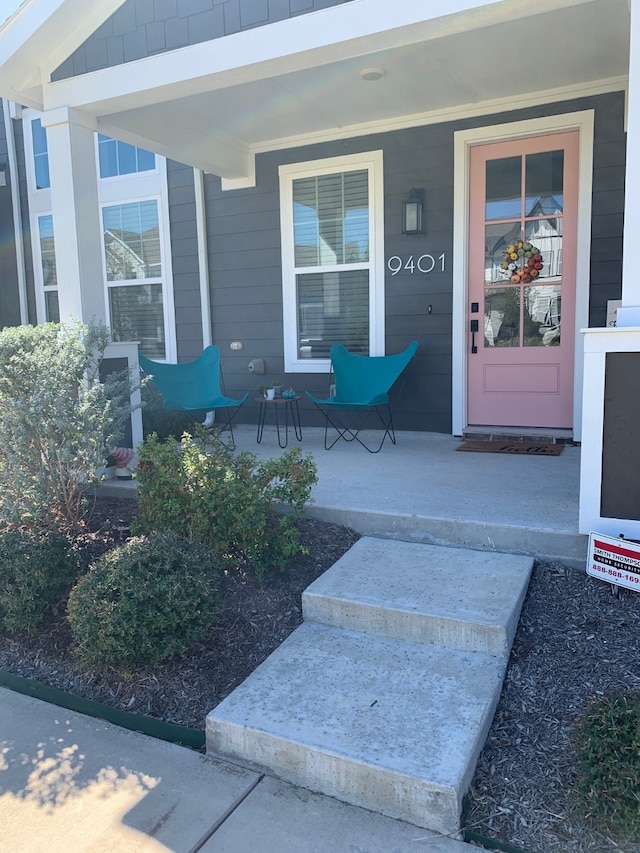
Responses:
[614,573]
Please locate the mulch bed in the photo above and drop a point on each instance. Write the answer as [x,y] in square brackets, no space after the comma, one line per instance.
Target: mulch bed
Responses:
[253,619]
[575,640]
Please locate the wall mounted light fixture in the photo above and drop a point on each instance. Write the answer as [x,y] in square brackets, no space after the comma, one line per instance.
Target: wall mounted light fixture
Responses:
[413,213]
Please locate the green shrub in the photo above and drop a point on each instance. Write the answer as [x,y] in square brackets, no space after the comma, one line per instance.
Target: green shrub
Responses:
[37,570]
[143,602]
[608,743]
[222,499]
[57,419]
[155,418]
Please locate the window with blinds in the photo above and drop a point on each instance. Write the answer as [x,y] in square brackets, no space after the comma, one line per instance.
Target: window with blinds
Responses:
[133,196]
[331,230]
[329,236]
[133,265]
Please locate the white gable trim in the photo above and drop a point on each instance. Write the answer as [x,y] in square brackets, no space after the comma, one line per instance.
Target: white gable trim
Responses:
[39,36]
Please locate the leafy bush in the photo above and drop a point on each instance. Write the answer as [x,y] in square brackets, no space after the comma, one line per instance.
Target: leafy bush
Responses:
[608,742]
[155,418]
[222,499]
[142,602]
[56,419]
[37,570]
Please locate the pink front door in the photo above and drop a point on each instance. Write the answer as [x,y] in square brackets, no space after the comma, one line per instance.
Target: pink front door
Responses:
[522,262]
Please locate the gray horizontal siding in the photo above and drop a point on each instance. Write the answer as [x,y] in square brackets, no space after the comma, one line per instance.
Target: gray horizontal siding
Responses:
[184,257]
[245,252]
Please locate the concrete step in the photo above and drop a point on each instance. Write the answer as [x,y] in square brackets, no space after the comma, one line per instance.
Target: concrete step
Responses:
[460,599]
[390,725]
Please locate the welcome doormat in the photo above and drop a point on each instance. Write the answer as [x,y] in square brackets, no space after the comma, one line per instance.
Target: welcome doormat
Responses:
[521,448]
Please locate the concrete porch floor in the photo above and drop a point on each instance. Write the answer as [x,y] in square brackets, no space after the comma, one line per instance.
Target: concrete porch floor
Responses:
[422,490]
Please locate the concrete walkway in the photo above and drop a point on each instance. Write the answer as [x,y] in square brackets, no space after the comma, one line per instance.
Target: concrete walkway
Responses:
[72,784]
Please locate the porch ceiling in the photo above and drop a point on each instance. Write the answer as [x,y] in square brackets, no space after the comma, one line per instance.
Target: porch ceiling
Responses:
[484,58]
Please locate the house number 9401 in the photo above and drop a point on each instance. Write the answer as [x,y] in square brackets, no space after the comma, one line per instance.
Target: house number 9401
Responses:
[424,264]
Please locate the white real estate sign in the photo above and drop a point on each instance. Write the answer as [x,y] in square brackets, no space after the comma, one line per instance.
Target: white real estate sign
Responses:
[616,561]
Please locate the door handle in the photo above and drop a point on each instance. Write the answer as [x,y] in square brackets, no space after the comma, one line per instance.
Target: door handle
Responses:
[474,329]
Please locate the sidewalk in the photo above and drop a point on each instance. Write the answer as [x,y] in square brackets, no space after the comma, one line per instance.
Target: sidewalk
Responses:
[73,784]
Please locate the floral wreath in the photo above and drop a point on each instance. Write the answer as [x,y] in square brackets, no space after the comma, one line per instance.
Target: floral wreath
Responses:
[522,262]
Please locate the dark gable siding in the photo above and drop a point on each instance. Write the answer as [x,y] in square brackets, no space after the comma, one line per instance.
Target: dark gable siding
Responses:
[145,27]
[244,254]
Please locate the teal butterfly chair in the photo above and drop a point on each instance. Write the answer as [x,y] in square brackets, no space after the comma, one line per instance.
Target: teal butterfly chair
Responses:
[362,386]
[193,387]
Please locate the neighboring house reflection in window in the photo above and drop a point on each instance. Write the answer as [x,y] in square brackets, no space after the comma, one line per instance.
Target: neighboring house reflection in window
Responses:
[332,274]
[132,258]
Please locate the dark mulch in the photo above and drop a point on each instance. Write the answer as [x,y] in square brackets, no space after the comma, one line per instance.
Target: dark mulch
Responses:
[254,618]
[576,640]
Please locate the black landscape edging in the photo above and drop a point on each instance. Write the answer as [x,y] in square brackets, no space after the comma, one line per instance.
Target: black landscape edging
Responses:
[192,738]
[491,843]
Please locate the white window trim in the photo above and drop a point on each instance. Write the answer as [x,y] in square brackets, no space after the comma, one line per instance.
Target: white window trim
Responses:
[119,189]
[372,161]
[166,276]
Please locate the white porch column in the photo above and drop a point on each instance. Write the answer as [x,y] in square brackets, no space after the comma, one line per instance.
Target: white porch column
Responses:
[609,491]
[76,214]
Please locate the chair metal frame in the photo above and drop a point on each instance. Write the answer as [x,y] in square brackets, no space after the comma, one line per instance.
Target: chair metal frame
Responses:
[362,384]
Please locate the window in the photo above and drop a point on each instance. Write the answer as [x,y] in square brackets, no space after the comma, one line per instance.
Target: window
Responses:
[133,264]
[48,265]
[120,158]
[333,275]
[136,259]
[40,155]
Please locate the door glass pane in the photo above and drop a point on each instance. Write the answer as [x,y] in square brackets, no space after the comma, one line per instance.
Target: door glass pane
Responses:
[503,188]
[542,310]
[333,307]
[546,234]
[544,183]
[502,317]
[498,237]
[137,315]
